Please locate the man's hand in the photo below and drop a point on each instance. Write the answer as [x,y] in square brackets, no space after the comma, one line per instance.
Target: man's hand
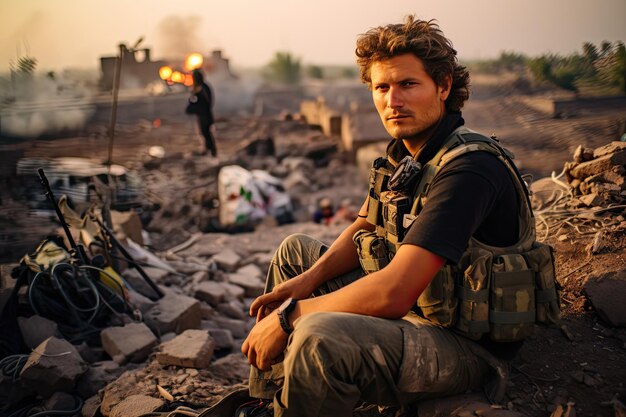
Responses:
[296,287]
[265,344]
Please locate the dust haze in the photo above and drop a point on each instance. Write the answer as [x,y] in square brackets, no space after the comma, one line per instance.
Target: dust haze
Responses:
[179,35]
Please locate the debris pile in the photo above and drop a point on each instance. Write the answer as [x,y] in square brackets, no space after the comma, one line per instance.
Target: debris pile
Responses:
[598,177]
[587,198]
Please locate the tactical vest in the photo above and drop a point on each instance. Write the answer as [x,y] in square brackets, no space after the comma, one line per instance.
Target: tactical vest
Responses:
[500,291]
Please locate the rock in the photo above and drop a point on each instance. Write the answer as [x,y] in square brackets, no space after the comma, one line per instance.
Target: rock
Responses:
[598,165]
[97,377]
[91,408]
[36,329]
[212,292]
[233,308]
[474,404]
[188,268]
[61,401]
[140,285]
[598,244]
[233,291]
[228,260]
[223,338]
[262,260]
[607,296]
[236,327]
[54,365]
[190,349]
[610,148]
[174,313]
[252,285]
[199,277]
[298,183]
[135,406]
[251,270]
[591,200]
[130,343]
[140,301]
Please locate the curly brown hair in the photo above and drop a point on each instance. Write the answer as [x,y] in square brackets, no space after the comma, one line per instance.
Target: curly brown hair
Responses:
[426,41]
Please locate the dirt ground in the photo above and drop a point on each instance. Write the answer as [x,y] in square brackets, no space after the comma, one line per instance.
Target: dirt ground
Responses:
[581,362]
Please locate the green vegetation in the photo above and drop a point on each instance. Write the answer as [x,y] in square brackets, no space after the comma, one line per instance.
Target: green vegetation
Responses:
[596,70]
[315,71]
[284,68]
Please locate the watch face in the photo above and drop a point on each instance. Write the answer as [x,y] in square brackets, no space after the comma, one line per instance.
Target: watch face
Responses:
[285,304]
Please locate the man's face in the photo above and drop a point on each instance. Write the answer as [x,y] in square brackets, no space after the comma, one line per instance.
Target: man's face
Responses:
[407,99]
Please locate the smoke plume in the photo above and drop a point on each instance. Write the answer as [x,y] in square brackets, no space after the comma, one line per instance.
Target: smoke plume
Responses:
[178,36]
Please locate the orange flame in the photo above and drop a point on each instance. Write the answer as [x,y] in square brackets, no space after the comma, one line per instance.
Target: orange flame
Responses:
[178,77]
[188,80]
[193,61]
[165,72]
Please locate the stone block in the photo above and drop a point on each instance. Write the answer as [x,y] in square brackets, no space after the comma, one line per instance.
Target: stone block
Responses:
[598,165]
[237,327]
[252,285]
[609,148]
[135,406]
[174,313]
[591,200]
[251,270]
[223,338]
[233,309]
[199,277]
[140,285]
[233,292]
[97,377]
[36,329]
[130,343]
[212,292]
[54,365]
[228,260]
[190,349]
[606,296]
[188,268]
[262,260]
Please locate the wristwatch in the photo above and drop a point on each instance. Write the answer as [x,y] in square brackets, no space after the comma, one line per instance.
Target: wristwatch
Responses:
[283,314]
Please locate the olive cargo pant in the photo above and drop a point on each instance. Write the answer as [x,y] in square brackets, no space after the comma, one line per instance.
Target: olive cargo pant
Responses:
[335,359]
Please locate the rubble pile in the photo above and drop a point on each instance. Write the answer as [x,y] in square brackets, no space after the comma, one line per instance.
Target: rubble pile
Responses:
[181,347]
[184,189]
[598,176]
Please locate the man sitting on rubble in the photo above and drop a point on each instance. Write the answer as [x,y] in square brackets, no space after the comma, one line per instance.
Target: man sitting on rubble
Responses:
[340,324]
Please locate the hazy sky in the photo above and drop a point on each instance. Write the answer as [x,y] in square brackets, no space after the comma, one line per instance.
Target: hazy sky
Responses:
[75,33]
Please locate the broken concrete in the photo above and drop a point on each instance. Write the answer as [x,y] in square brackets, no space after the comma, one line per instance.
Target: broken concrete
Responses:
[135,406]
[174,313]
[36,329]
[598,165]
[252,285]
[228,260]
[212,292]
[607,296]
[54,365]
[190,349]
[130,343]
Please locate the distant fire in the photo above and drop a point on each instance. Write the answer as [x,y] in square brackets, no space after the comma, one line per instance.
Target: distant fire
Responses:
[193,61]
[165,72]
[171,76]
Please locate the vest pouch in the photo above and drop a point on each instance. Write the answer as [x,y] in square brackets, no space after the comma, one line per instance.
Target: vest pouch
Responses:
[394,207]
[512,313]
[372,251]
[541,260]
[472,291]
[437,302]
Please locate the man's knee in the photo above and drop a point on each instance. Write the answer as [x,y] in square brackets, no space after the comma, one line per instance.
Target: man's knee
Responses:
[293,246]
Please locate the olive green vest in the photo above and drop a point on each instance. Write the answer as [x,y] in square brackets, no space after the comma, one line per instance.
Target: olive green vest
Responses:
[500,291]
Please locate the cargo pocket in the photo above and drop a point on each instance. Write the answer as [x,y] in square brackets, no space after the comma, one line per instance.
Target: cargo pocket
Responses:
[419,369]
[437,302]
[541,260]
[472,292]
[512,314]
[372,251]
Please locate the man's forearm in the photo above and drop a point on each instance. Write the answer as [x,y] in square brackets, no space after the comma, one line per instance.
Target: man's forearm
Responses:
[388,293]
[340,258]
